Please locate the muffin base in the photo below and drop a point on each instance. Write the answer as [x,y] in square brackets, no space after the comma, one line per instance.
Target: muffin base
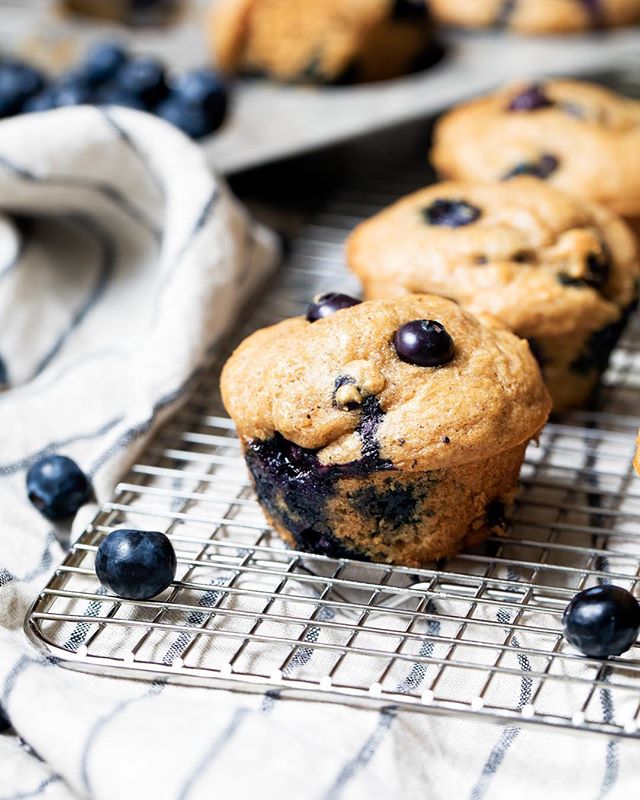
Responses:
[572,366]
[382,514]
[314,46]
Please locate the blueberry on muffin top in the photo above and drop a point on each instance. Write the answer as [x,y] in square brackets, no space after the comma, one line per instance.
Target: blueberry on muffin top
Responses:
[322,384]
[591,133]
[538,258]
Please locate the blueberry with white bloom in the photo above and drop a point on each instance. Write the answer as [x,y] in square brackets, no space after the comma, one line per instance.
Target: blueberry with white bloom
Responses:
[103,62]
[136,565]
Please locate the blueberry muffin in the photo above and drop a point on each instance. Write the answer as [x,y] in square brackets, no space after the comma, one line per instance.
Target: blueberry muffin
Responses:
[578,136]
[537,16]
[324,41]
[389,430]
[559,272]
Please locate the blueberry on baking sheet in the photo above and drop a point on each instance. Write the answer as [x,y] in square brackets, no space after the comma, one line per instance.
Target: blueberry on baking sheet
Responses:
[189,118]
[103,62]
[114,95]
[144,77]
[424,343]
[57,487]
[203,88]
[451,213]
[602,621]
[136,564]
[530,99]
[45,101]
[71,89]
[329,303]
[18,83]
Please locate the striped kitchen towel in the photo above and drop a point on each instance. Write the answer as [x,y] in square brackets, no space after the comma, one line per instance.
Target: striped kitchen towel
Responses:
[122,262]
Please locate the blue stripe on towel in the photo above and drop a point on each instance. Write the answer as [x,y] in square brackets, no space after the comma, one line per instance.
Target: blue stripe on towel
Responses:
[53,447]
[127,140]
[109,192]
[40,789]
[106,271]
[102,723]
[410,682]
[510,732]
[210,755]
[364,755]
[46,559]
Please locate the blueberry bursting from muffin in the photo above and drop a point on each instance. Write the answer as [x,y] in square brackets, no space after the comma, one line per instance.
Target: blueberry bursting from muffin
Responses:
[374,430]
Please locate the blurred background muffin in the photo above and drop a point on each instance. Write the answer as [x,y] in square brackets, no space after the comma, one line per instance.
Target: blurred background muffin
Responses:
[325,41]
[559,272]
[537,16]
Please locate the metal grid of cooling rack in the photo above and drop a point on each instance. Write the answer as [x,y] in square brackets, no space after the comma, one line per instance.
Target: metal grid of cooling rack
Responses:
[477,635]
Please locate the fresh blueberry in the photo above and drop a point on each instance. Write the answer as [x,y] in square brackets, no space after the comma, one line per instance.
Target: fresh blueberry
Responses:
[531,99]
[145,77]
[44,101]
[57,487]
[602,621]
[424,343]
[114,95]
[326,304]
[545,166]
[18,82]
[103,62]
[136,565]
[204,89]
[451,213]
[190,119]
[72,89]
[4,721]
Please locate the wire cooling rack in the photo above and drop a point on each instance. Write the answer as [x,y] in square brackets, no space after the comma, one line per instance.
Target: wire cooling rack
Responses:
[476,635]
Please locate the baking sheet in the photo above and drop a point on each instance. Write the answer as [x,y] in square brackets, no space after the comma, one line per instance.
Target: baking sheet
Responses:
[271,121]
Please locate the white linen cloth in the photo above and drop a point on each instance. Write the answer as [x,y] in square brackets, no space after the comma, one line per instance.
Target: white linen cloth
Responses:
[122,262]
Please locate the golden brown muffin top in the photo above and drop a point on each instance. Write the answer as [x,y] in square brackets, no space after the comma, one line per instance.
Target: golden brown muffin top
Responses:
[536,16]
[538,258]
[291,379]
[310,40]
[579,136]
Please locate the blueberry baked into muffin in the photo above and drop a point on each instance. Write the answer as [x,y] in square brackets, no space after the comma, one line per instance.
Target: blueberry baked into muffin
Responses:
[322,41]
[559,272]
[388,430]
[537,16]
[579,136]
